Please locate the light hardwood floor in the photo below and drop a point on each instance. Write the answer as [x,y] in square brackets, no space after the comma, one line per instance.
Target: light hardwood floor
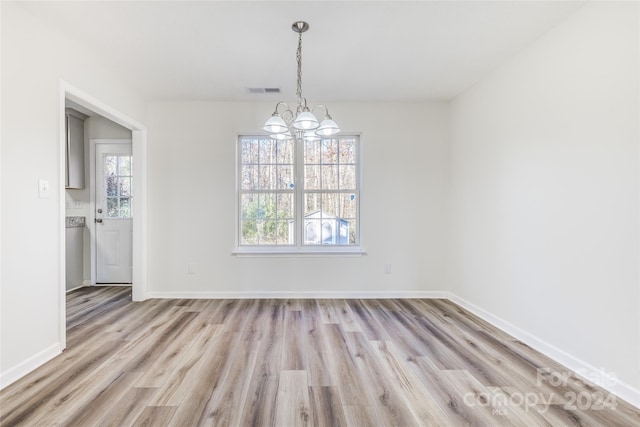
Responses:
[294,363]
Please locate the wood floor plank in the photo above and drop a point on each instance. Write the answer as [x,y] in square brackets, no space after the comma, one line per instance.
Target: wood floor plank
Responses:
[77,394]
[155,416]
[370,326]
[317,353]
[261,394]
[171,359]
[391,407]
[293,407]
[180,381]
[294,356]
[346,317]
[255,325]
[231,393]
[351,385]
[109,393]
[128,408]
[54,392]
[359,416]
[327,409]
[146,337]
[278,363]
[196,399]
[327,311]
[448,400]
[420,402]
[477,397]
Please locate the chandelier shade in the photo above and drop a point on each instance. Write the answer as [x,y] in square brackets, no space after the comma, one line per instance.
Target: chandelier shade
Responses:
[306,121]
[327,128]
[302,125]
[275,125]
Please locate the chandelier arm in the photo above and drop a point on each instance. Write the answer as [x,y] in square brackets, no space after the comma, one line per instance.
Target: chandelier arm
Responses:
[326,110]
[278,106]
[288,116]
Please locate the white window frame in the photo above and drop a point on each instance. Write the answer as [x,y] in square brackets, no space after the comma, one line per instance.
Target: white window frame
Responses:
[298,249]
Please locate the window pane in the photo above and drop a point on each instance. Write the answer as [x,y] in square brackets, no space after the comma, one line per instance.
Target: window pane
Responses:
[312,152]
[327,234]
[110,165]
[125,208]
[347,177]
[285,206]
[125,165]
[347,206]
[329,177]
[285,177]
[266,178]
[311,203]
[249,178]
[125,186]
[249,206]
[329,151]
[312,231]
[348,228]
[267,151]
[249,232]
[285,152]
[347,150]
[112,207]
[111,186]
[330,203]
[266,206]
[284,232]
[312,177]
[267,232]
[249,151]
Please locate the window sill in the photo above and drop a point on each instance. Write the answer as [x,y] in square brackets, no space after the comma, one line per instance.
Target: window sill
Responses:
[321,251]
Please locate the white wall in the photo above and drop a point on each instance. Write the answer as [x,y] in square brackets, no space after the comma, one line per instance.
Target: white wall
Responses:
[192,198]
[545,190]
[34,60]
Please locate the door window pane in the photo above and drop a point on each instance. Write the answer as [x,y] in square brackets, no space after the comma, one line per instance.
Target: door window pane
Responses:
[118,185]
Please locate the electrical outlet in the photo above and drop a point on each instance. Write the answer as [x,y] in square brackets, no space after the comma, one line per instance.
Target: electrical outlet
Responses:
[387,269]
[191,268]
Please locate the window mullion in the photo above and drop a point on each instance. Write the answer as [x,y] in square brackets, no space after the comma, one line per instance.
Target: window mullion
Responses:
[299,193]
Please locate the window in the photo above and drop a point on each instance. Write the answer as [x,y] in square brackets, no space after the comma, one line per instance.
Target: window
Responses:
[118,185]
[298,197]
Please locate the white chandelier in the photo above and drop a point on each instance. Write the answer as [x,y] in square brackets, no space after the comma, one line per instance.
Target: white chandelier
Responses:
[303,125]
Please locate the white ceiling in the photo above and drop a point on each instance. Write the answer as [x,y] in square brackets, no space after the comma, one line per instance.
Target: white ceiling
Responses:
[354,51]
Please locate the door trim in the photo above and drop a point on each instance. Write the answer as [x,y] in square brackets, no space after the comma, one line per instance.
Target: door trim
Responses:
[139,151]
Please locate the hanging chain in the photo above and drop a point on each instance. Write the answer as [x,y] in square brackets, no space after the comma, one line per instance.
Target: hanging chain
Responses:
[299,60]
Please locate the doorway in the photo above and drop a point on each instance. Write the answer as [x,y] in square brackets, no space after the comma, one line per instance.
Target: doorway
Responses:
[138,154]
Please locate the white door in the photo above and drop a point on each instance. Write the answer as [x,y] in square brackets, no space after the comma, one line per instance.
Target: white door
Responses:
[114,213]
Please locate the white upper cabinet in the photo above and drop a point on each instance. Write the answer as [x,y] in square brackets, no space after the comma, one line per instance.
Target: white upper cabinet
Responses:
[74,177]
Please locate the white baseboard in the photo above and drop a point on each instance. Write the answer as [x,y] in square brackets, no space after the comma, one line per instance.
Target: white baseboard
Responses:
[299,295]
[616,387]
[23,368]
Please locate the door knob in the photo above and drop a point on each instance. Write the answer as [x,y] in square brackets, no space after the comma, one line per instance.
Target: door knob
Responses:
[99,220]
[99,210]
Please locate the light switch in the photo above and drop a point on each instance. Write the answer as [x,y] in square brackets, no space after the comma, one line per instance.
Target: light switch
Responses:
[43,189]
